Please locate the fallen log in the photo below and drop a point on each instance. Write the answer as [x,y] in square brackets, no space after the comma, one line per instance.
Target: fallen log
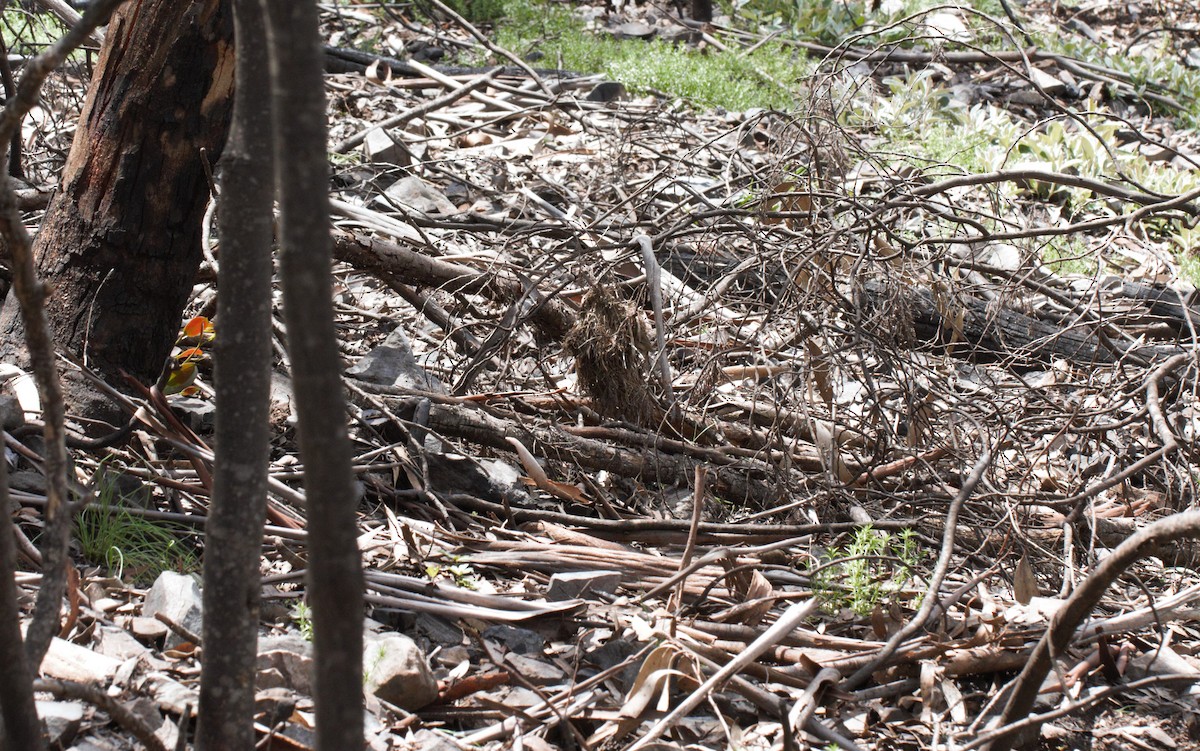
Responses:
[994,331]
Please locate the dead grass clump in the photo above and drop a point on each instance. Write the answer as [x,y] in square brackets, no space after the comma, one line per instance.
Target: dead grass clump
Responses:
[612,358]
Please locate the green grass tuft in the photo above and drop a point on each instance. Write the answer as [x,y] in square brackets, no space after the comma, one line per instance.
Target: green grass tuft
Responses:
[128,545]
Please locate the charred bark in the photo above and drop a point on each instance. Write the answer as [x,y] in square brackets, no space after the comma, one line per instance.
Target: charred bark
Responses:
[121,243]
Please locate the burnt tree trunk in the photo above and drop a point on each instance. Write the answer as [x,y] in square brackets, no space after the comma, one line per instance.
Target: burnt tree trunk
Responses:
[120,245]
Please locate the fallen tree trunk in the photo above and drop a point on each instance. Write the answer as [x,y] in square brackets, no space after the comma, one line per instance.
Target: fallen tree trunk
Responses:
[739,480]
[995,331]
[552,317]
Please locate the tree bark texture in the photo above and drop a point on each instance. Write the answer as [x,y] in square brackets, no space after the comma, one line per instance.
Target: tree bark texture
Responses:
[20,726]
[243,383]
[335,577]
[120,245]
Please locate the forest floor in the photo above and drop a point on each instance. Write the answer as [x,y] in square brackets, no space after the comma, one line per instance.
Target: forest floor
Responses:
[840,403]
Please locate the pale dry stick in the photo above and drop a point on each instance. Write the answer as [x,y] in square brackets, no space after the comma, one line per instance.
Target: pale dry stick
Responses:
[508,726]
[654,288]
[1037,720]
[1099,187]
[789,620]
[191,520]
[768,702]
[689,550]
[70,17]
[1176,607]
[929,602]
[491,46]
[1063,626]
[39,341]
[419,111]
[19,724]
[1157,419]
[453,85]
[713,556]
[802,713]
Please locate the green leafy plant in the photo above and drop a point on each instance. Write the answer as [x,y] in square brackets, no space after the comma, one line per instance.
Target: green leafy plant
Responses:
[127,544]
[302,615]
[873,568]
[460,573]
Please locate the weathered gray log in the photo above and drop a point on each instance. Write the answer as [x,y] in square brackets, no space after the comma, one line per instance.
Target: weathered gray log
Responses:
[1002,332]
[1166,303]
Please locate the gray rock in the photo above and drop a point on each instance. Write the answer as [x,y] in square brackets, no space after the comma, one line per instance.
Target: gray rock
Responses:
[392,363]
[274,705]
[198,414]
[176,596]
[381,148]
[438,630]
[582,584]
[429,740]
[634,30]
[148,629]
[415,194]
[11,414]
[534,670]
[395,670]
[62,720]
[291,657]
[519,640]
[119,643]
[452,656]
[28,481]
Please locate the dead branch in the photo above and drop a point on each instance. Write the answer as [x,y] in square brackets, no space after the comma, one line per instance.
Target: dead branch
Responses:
[1063,626]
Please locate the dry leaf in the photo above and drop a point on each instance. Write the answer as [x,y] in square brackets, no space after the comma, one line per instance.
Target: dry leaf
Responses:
[1025,586]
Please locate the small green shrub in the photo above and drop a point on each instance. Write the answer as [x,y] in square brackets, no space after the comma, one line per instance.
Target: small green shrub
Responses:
[873,568]
[302,615]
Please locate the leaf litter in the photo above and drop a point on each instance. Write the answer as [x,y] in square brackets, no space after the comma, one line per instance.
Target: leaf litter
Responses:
[852,414]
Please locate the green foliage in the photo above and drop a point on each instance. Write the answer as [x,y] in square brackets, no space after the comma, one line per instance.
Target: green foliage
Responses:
[832,22]
[874,567]
[479,12]
[28,33]
[1188,243]
[302,615]
[828,21]
[110,536]
[768,77]
[1151,70]
[460,573]
[1068,255]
